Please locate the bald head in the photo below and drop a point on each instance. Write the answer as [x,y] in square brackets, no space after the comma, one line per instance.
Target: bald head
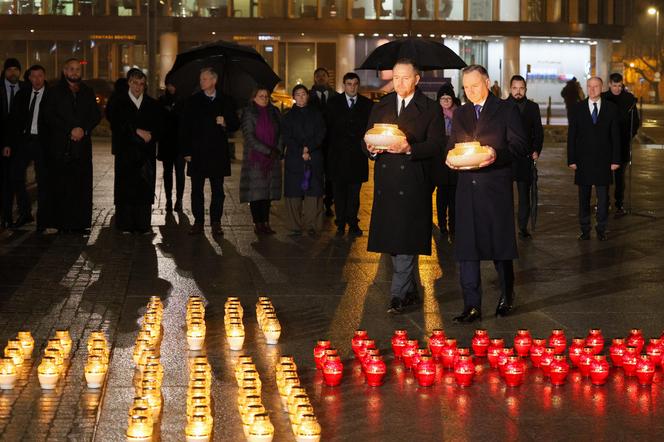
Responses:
[594,85]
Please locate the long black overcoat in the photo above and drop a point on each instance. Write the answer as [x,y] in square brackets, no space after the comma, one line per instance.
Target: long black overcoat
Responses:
[346,161]
[531,120]
[205,141]
[401,213]
[628,118]
[69,162]
[135,160]
[303,126]
[169,142]
[593,147]
[484,201]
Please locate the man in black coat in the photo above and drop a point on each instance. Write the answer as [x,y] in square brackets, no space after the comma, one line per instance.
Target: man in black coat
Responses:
[208,119]
[484,201]
[10,85]
[169,149]
[593,152]
[629,123]
[27,142]
[401,214]
[522,166]
[136,123]
[319,96]
[71,114]
[346,120]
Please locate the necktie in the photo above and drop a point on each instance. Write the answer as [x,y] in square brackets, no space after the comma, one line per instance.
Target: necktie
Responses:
[595,113]
[31,113]
[403,106]
[352,103]
[323,99]
[478,109]
[11,97]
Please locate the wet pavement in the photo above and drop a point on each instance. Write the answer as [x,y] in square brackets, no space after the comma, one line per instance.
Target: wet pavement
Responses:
[326,288]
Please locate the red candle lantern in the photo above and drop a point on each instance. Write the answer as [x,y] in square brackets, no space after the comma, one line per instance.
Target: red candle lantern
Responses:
[426,371]
[616,351]
[367,344]
[464,371]
[375,371]
[371,352]
[449,353]
[408,351]
[654,350]
[417,358]
[558,341]
[576,349]
[358,341]
[645,370]
[319,352]
[586,360]
[559,369]
[629,361]
[595,340]
[399,339]
[332,371]
[437,342]
[522,342]
[599,370]
[503,358]
[536,351]
[514,371]
[480,342]
[636,339]
[494,350]
[546,360]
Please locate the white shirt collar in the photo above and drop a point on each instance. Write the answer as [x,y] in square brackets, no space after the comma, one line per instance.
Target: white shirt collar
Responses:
[591,102]
[348,98]
[213,96]
[406,99]
[137,101]
[40,90]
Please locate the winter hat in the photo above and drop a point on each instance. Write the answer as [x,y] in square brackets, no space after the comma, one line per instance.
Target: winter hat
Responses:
[12,63]
[446,89]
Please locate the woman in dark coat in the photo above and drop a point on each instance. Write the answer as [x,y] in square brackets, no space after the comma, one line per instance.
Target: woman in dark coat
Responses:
[260,179]
[136,124]
[303,133]
[169,153]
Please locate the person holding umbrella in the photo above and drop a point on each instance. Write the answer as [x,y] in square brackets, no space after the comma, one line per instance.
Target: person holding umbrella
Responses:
[402,211]
[208,119]
[523,166]
[303,134]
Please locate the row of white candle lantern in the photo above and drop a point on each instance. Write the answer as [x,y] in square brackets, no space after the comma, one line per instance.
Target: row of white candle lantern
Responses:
[195,320]
[255,419]
[295,401]
[16,351]
[267,320]
[52,366]
[96,366]
[233,314]
[146,405]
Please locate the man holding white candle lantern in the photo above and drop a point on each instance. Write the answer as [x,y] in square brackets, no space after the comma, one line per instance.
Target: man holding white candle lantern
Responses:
[402,211]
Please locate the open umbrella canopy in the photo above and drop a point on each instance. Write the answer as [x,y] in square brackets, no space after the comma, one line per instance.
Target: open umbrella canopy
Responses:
[240,69]
[428,54]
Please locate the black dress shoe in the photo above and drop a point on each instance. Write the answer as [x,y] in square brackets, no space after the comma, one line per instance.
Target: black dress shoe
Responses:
[505,305]
[412,298]
[396,306]
[524,233]
[468,316]
[602,236]
[355,231]
[620,212]
[585,236]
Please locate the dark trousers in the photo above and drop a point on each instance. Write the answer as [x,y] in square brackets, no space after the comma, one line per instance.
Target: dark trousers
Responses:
[471,281]
[445,206]
[619,180]
[328,198]
[260,211]
[602,207]
[198,199]
[6,197]
[133,217]
[346,203]
[523,189]
[178,165]
[403,276]
[29,151]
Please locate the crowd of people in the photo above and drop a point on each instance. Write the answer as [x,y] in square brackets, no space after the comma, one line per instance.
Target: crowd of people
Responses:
[315,156]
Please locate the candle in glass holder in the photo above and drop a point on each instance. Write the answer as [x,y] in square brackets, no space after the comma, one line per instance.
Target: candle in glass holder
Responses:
[332,371]
[13,350]
[599,370]
[494,351]
[576,349]
[294,400]
[27,343]
[199,428]
[65,340]
[196,335]
[503,358]
[319,352]
[7,373]
[629,361]
[559,369]
[261,429]
[272,331]
[514,372]
[408,351]
[426,372]
[357,342]
[436,342]
[464,371]
[586,361]
[595,340]
[48,373]
[522,342]
[398,342]
[558,341]
[449,353]
[308,430]
[240,370]
[301,410]
[235,337]
[645,370]
[367,344]
[546,360]
[371,352]
[375,371]
[248,415]
[95,371]
[636,339]
[480,342]
[617,350]
[654,350]
[537,351]
[417,358]
[139,429]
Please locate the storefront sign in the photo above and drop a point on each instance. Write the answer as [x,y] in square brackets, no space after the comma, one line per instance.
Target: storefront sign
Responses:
[113,37]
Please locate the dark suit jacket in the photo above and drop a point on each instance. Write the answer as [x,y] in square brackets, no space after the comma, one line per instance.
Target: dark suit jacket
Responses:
[628,118]
[5,131]
[401,213]
[593,147]
[17,129]
[484,206]
[203,139]
[531,120]
[347,163]
[315,101]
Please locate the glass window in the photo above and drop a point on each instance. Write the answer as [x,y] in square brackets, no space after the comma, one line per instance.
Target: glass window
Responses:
[273,8]
[333,8]
[209,8]
[480,10]
[304,8]
[509,10]
[185,8]
[28,7]
[245,8]
[62,7]
[7,7]
[554,10]
[450,10]
[474,51]
[39,52]
[392,9]
[423,9]
[91,7]
[535,10]
[365,9]
[300,64]
[124,7]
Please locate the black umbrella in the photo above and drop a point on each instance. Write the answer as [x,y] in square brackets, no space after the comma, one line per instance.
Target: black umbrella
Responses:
[533,198]
[240,69]
[428,54]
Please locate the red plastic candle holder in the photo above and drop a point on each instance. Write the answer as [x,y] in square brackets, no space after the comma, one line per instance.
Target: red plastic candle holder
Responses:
[645,370]
[357,342]
[586,360]
[636,339]
[437,342]
[599,370]
[629,361]
[514,372]
[522,342]
[464,371]
[319,352]
[399,339]
[559,369]
[616,351]
[426,371]
[480,342]
[367,344]
[546,360]
[375,371]
[576,349]
[655,350]
[332,371]
[408,351]
[494,350]
[417,358]
[367,357]
[536,351]
[449,353]
[558,341]
[595,340]
[503,358]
